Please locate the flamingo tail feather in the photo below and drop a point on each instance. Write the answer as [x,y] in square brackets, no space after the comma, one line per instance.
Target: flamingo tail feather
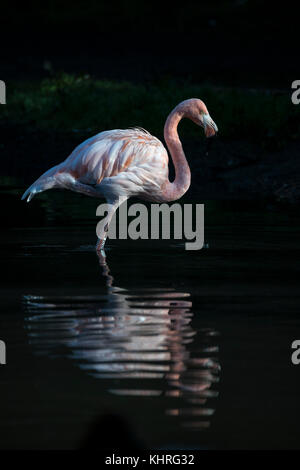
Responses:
[44,182]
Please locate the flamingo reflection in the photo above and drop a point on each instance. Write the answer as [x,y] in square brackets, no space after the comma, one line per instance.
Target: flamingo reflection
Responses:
[144,337]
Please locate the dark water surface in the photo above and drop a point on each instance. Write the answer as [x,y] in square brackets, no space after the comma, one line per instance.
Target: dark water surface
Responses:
[191,348]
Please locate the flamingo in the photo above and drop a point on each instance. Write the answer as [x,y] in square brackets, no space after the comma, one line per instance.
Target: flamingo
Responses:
[121,163]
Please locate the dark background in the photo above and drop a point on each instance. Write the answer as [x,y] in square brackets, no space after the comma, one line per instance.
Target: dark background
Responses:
[237,42]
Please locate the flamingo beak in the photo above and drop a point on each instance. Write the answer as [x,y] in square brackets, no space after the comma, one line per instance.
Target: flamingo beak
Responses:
[210,127]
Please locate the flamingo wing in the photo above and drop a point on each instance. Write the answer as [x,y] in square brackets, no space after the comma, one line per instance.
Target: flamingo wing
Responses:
[120,162]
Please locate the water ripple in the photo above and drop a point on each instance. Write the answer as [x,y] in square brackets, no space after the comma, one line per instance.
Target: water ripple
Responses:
[144,338]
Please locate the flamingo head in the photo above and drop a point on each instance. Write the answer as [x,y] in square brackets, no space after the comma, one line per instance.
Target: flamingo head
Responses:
[196,110]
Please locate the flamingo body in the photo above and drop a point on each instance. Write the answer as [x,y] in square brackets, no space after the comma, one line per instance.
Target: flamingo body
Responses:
[114,163]
[127,163]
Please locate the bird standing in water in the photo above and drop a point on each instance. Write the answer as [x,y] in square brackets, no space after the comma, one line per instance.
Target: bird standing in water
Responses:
[118,164]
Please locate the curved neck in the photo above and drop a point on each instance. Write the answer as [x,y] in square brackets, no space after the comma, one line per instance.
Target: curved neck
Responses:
[180,185]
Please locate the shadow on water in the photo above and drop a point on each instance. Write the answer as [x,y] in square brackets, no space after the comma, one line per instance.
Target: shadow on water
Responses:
[140,343]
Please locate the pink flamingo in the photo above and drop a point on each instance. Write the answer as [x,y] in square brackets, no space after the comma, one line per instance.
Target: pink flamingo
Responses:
[118,164]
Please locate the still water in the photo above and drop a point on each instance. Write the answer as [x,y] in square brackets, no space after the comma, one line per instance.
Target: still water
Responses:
[187,349]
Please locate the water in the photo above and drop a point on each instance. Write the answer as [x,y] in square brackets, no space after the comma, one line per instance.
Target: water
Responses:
[192,350]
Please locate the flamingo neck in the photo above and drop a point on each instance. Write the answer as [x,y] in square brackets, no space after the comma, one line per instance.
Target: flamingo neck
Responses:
[174,190]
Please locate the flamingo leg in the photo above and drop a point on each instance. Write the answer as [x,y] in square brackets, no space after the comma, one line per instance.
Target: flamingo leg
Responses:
[100,246]
[102,230]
